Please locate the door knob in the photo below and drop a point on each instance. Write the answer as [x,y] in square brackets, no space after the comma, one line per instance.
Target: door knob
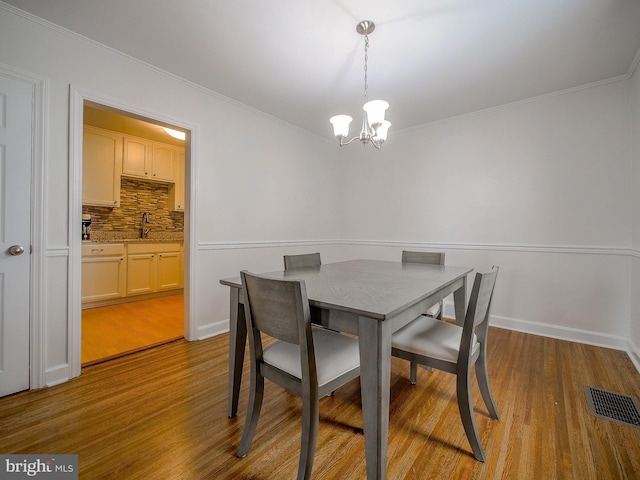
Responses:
[16,250]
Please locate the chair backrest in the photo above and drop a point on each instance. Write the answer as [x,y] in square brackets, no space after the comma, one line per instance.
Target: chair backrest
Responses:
[305,260]
[481,295]
[433,258]
[477,318]
[279,308]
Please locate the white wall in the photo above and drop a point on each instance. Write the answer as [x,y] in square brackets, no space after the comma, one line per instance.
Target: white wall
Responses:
[635,220]
[258,180]
[540,188]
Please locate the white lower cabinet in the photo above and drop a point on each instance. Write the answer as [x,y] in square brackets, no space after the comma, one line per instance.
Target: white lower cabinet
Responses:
[153,267]
[103,272]
[111,271]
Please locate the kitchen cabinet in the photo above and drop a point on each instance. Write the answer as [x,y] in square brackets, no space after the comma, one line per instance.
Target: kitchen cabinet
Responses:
[103,272]
[153,267]
[176,191]
[150,160]
[101,167]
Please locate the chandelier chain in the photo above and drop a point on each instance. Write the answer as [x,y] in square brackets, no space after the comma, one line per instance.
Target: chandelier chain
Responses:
[366,58]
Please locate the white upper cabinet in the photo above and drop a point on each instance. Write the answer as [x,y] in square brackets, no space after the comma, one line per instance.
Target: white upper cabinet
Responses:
[149,160]
[101,167]
[176,191]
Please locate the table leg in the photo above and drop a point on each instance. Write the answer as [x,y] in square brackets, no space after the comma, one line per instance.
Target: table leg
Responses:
[459,302]
[237,342]
[375,371]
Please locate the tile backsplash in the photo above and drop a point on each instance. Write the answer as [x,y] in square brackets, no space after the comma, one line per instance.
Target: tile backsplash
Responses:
[136,197]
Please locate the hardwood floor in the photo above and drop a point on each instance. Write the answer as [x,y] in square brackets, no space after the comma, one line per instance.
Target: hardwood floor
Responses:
[161,414]
[116,330]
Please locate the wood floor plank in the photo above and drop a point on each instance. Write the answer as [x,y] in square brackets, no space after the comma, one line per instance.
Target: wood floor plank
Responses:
[116,330]
[161,414]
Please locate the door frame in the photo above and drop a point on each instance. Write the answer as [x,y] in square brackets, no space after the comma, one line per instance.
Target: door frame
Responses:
[38,194]
[77,98]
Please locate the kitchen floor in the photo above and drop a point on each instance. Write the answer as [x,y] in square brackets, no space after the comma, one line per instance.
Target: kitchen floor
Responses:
[118,330]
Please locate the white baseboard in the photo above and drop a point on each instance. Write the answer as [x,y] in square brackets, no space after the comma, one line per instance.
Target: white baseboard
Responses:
[57,375]
[212,329]
[562,333]
[634,354]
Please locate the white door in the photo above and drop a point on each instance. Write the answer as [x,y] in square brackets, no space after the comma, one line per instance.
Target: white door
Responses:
[16,117]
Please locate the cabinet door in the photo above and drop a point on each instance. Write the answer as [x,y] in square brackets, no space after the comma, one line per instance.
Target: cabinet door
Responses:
[101,167]
[141,273]
[103,278]
[176,191]
[163,158]
[137,157]
[169,270]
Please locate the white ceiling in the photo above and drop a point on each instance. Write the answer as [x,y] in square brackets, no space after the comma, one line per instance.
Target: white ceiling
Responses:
[302,61]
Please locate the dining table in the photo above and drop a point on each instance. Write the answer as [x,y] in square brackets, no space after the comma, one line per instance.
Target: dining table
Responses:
[370,299]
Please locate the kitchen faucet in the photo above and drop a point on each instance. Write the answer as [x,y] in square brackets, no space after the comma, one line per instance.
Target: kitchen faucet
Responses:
[144,232]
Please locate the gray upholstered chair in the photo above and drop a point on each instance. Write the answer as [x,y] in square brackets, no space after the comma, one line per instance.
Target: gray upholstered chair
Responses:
[305,260]
[432,258]
[308,361]
[456,349]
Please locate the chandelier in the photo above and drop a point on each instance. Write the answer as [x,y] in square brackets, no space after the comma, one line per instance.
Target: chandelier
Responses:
[374,126]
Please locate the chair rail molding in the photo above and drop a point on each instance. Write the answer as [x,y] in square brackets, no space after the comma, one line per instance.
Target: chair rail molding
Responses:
[501,247]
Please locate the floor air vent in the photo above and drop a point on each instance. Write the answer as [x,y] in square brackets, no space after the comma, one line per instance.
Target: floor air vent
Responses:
[614,406]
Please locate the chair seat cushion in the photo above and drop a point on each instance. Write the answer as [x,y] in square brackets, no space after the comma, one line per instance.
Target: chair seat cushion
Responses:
[432,338]
[335,354]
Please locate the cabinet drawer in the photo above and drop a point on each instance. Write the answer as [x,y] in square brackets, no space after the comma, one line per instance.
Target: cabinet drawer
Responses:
[137,248]
[103,249]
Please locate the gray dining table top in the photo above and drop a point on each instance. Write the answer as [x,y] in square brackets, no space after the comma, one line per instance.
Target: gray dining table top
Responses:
[368,288]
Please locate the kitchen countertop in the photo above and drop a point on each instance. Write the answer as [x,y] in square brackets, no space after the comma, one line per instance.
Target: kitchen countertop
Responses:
[127,237]
[134,240]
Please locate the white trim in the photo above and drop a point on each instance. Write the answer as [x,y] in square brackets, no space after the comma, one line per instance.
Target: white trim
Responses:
[57,375]
[577,335]
[565,249]
[76,103]
[571,249]
[634,354]
[269,244]
[37,325]
[213,329]
[57,251]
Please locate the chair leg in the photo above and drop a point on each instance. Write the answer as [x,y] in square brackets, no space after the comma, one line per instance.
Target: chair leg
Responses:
[309,438]
[463,392]
[256,395]
[413,372]
[483,383]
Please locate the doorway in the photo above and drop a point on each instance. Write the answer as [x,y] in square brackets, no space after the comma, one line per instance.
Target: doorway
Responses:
[133,230]
[143,317]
